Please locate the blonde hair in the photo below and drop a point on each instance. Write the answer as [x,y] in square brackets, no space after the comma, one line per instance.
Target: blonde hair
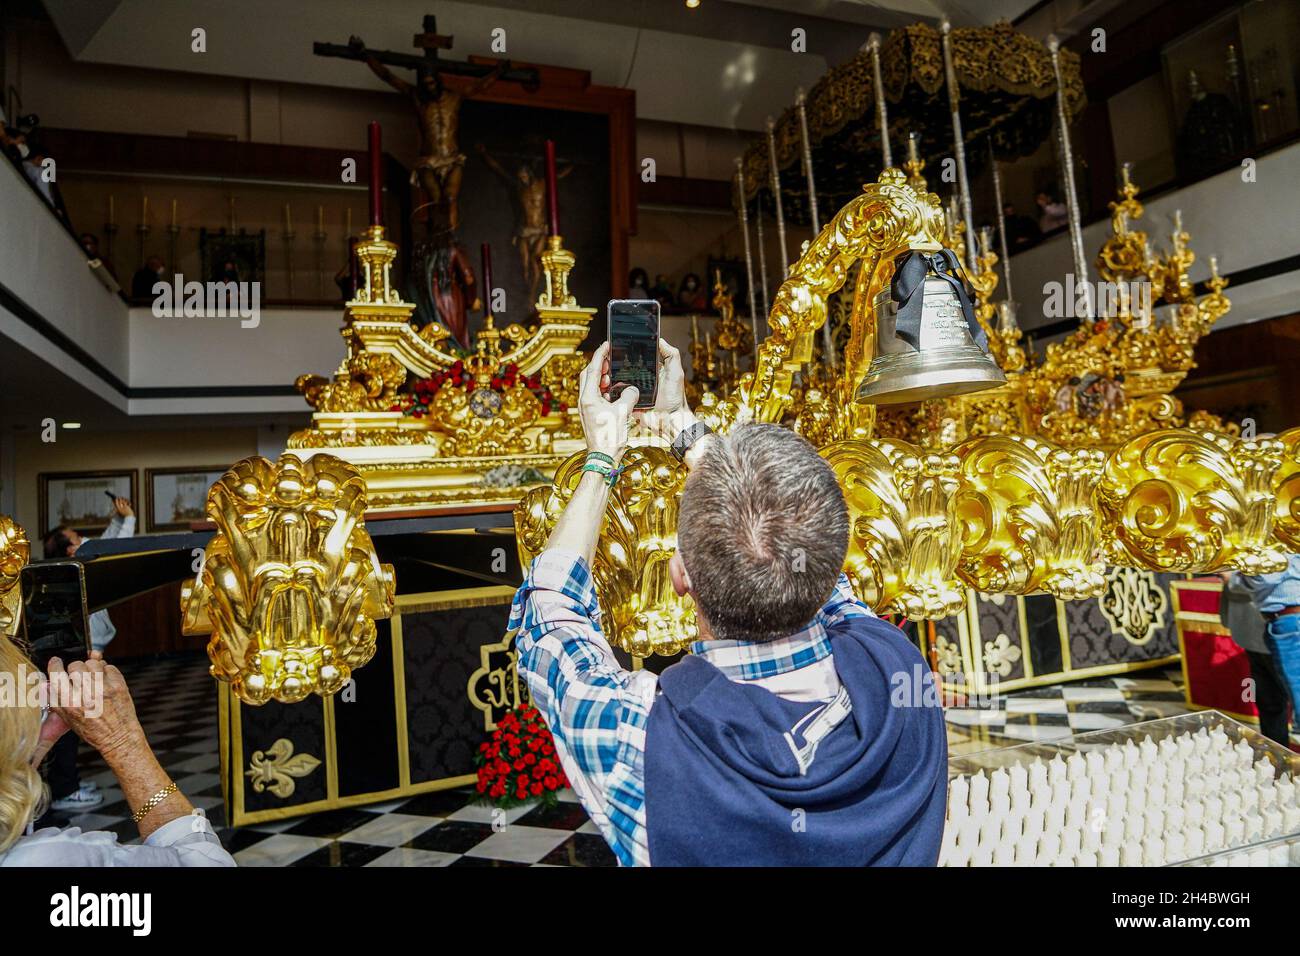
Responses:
[21,790]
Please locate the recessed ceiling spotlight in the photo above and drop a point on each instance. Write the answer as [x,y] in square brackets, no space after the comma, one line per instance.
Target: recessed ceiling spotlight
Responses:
[72,424]
[692,4]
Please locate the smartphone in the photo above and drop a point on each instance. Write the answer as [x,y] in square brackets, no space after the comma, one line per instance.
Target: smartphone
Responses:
[634,348]
[55,621]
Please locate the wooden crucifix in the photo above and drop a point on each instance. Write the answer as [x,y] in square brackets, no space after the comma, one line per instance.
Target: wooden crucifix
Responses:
[437,108]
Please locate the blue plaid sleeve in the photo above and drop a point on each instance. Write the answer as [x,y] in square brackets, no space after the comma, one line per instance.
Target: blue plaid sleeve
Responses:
[595,709]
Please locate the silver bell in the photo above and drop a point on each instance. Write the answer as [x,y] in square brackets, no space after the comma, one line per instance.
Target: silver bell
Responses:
[946,361]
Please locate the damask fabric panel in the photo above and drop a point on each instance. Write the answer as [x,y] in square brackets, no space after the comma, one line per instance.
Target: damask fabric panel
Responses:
[1132,621]
[365,724]
[1000,645]
[442,652]
[291,741]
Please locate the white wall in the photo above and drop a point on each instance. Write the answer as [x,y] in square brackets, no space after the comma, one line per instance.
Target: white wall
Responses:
[42,265]
[1245,223]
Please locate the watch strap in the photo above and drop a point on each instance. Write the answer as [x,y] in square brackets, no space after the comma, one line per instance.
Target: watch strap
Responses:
[688,437]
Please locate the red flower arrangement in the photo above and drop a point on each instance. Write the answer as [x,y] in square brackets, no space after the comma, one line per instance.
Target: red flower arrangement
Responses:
[423,391]
[519,762]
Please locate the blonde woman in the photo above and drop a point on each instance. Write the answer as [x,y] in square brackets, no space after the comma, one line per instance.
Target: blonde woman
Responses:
[173,833]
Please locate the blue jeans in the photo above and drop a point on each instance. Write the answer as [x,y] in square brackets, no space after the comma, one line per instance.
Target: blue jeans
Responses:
[1284,640]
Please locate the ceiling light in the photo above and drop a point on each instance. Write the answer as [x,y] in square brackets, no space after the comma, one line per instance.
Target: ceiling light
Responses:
[72,424]
[692,4]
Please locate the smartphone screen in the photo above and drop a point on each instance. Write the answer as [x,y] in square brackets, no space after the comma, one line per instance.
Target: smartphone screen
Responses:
[55,621]
[634,348]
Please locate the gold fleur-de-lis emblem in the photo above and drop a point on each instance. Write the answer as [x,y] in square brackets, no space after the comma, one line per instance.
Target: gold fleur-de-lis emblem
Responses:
[274,768]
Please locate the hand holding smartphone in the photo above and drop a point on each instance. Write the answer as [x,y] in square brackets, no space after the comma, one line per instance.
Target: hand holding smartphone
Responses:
[55,620]
[634,349]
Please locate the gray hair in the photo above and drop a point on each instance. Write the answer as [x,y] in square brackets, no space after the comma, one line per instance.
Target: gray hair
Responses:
[763,531]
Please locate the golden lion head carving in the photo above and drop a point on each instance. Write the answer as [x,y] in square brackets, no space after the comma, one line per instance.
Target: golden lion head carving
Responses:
[290,583]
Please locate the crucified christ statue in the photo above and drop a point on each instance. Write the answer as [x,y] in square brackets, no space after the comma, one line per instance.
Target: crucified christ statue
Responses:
[530,211]
[441,163]
[437,108]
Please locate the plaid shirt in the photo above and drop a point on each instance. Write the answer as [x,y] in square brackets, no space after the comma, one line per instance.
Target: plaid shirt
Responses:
[597,711]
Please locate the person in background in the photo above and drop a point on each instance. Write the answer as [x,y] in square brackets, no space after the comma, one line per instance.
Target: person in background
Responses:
[47,187]
[1238,612]
[146,276]
[171,831]
[1054,214]
[1022,232]
[90,245]
[69,794]
[1277,597]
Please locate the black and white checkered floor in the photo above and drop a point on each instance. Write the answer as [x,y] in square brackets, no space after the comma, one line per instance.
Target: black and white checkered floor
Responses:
[176,701]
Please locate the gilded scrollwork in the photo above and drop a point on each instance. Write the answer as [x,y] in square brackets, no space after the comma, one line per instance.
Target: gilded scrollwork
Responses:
[904,540]
[366,381]
[1027,517]
[1178,500]
[640,611]
[15,551]
[1286,488]
[290,583]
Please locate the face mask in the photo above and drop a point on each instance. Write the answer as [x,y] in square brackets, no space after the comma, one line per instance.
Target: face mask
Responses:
[23,150]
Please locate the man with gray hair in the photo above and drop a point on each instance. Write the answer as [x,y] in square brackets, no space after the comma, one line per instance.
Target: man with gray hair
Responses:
[776,741]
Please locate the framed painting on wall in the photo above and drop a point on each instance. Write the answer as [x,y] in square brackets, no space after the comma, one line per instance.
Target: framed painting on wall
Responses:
[176,497]
[77,499]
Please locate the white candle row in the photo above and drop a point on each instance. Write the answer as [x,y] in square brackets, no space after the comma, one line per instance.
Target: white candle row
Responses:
[1144,803]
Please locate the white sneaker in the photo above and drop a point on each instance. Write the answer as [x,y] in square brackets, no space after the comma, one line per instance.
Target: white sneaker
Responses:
[78,801]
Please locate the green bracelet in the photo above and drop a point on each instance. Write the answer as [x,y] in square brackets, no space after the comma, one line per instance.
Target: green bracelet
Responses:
[610,475]
[600,456]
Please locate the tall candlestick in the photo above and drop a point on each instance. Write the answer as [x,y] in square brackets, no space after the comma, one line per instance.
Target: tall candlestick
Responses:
[173,213]
[288,220]
[144,210]
[111,206]
[552,190]
[913,149]
[320,218]
[354,268]
[485,251]
[376,176]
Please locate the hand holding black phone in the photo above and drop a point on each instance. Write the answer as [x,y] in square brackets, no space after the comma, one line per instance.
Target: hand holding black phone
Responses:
[634,349]
[55,620]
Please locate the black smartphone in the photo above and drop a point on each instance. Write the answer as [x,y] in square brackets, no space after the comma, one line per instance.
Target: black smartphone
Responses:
[634,348]
[55,621]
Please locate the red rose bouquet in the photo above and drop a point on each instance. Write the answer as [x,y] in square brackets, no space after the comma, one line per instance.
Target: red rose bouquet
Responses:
[519,762]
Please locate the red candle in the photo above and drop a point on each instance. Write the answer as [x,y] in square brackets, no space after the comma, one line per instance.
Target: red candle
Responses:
[486,252]
[552,191]
[376,177]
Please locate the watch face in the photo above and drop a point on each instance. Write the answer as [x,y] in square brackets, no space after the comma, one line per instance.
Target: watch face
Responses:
[484,402]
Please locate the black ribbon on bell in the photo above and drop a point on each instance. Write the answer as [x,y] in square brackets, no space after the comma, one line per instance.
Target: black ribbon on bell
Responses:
[907,290]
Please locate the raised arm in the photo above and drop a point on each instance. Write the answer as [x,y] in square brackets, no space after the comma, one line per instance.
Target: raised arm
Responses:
[492,164]
[377,68]
[483,82]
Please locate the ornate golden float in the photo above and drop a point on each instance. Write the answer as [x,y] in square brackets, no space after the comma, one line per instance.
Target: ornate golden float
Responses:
[994,492]
[485,431]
